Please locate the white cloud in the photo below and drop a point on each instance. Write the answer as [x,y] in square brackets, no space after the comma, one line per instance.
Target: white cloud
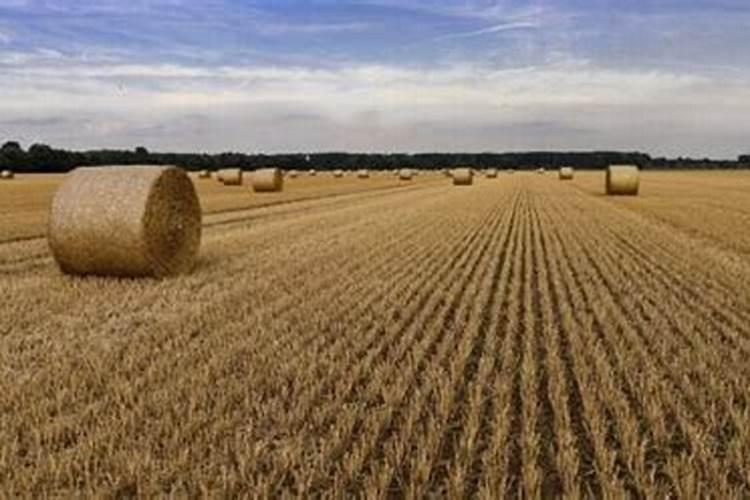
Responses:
[371,107]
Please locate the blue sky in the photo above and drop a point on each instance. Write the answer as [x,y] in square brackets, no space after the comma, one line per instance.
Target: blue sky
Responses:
[668,77]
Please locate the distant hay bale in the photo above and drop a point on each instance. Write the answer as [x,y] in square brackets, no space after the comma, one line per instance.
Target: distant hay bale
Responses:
[623,180]
[363,174]
[125,221]
[230,176]
[463,177]
[312,172]
[541,171]
[405,174]
[338,173]
[511,171]
[447,172]
[267,180]
[491,173]
[7,175]
[292,174]
[204,174]
[566,174]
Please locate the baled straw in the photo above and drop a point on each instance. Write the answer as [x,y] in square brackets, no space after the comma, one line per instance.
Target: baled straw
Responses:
[566,174]
[125,221]
[204,174]
[541,171]
[623,180]
[405,174]
[267,180]
[491,173]
[230,176]
[312,172]
[7,175]
[463,177]
[363,174]
[338,173]
[292,174]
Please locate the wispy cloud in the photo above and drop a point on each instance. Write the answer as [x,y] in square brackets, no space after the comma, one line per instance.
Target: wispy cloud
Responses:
[498,28]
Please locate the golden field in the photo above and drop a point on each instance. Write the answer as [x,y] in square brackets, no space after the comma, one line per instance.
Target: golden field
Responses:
[379,338]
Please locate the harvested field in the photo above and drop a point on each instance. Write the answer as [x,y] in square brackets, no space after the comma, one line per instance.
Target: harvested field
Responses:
[380,338]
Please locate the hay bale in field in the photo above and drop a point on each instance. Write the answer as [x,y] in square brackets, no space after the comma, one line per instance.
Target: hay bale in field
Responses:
[491,173]
[312,172]
[292,174]
[204,174]
[363,174]
[405,174]
[447,172]
[230,176]
[7,175]
[622,180]
[338,173]
[566,174]
[511,171]
[463,177]
[125,221]
[541,171]
[267,180]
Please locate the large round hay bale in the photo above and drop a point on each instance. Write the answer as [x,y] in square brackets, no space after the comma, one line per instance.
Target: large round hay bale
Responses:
[541,171]
[447,172]
[623,180]
[292,174]
[230,176]
[7,175]
[363,174]
[125,221]
[566,174]
[312,172]
[267,180]
[491,173]
[462,177]
[338,173]
[405,174]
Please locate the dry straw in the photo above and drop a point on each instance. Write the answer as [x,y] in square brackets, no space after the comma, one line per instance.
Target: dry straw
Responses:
[622,180]
[447,172]
[491,173]
[566,174]
[312,172]
[7,175]
[230,176]
[125,221]
[541,171]
[463,177]
[204,174]
[267,180]
[338,173]
[405,174]
[363,174]
[292,174]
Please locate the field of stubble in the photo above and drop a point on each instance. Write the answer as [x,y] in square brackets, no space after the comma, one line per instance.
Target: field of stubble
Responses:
[521,336]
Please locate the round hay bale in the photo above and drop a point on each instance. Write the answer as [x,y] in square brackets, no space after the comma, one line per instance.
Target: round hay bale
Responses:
[204,174]
[312,172]
[463,177]
[447,172]
[7,175]
[338,173]
[363,174]
[623,180]
[292,174]
[405,174]
[125,221]
[566,174]
[491,173]
[541,171]
[267,180]
[230,176]
[511,171]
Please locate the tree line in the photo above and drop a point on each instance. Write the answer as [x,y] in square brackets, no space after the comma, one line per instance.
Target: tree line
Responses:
[42,158]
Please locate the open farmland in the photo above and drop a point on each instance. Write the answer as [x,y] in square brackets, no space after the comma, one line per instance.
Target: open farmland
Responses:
[386,338]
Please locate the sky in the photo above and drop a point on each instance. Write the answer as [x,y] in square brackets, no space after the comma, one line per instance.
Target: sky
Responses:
[668,77]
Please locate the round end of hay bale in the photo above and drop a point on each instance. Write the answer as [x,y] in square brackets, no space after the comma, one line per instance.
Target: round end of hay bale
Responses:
[363,174]
[267,180]
[204,174]
[230,176]
[566,174]
[405,174]
[312,172]
[129,221]
[292,174]
[622,180]
[462,177]
[491,173]
[7,175]
[338,173]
